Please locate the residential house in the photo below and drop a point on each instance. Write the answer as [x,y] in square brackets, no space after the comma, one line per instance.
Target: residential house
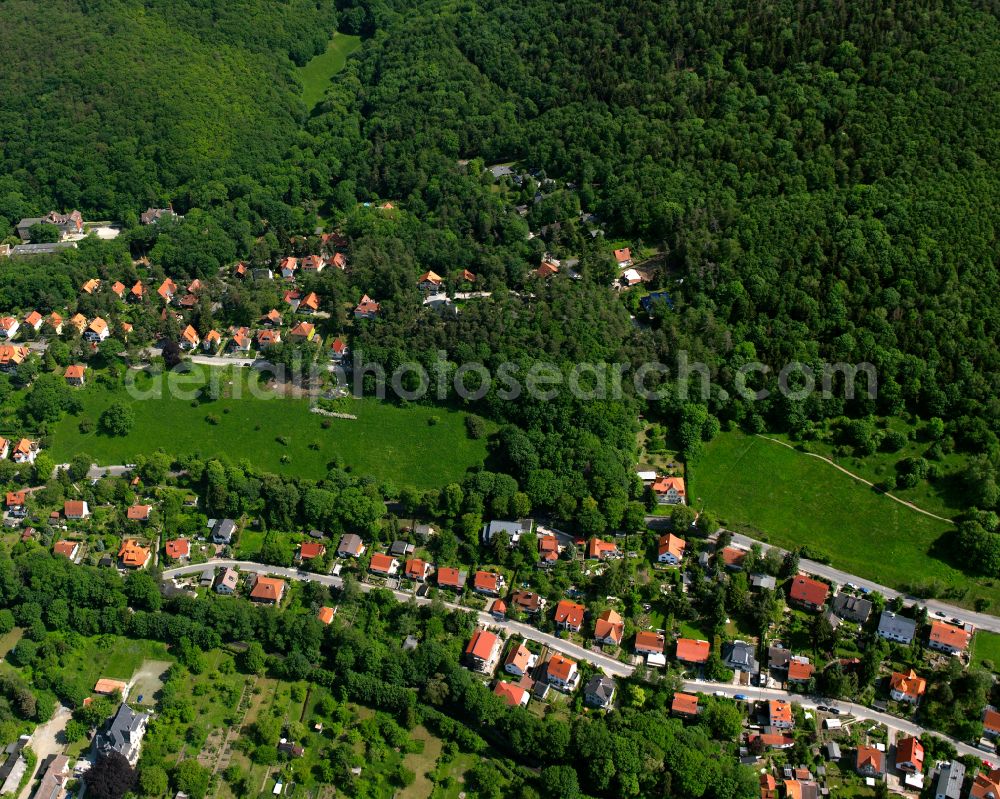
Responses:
[152,216]
[764,582]
[189,338]
[139,513]
[68,549]
[338,349]
[808,593]
[289,266]
[178,549]
[350,546]
[69,224]
[271,319]
[4,447]
[671,549]
[488,583]
[739,656]
[527,602]
[34,320]
[339,260]
[549,267]
[910,755]
[240,340]
[9,327]
[91,286]
[226,581]
[852,608]
[268,338]
[651,644]
[74,374]
[511,693]
[303,331]
[569,615]
[212,340]
[770,740]
[519,661]
[768,786]
[97,331]
[223,531]
[733,558]
[383,565]
[991,722]
[17,503]
[122,734]
[561,672]
[907,687]
[800,670]
[429,282]
[599,691]
[75,509]
[417,569]
[623,257]
[986,785]
[108,687]
[548,549]
[779,714]
[894,627]
[597,549]
[11,357]
[609,628]
[13,767]
[869,762]
[137,293]
[308,550]
[951,776]
[131,555]
[55,323]
[483,651]
[367,308]
[55,779]
[684,705]
[78,322]
[447,577]
[325,614]
[313,263]
[167,290]
[692,652]
[266,590]
[25,451]
[309,304]
[669,490]
[465,276]
[289,748]
[949,638]
[498,609]
[118,289]
[514,530]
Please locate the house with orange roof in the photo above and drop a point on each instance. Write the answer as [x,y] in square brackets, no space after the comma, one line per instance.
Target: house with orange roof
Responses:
[4,447]
[309,304]
[519,660]
[808,593]
[367,308]
[212,340]
[108,687]
[598,549]
[986,785]
[733,558]
[308,550]
[561,672]
[548,549]
[313,263]
[339,260]
[609,628]
[289,266]
[139,513]
[671,549]
[623,257]
[949,638]
[684,705]
[9,327]
[488,583]
[74,374]
[692,652]
[569,615]
[467,277]
[90,286]
[66,548]
[97,330]
[17,503]
[303,331]
[325,614]
[178,549]
[268,338]
[547,269]
[483,651]
[271,319]
[800,669]
[119,289]
[34,320]
[75,509]
[669,490]
[429,282]
[240,340]
[991,722]
[910,755]
[25,451]
[240,270]
[383,564]
[267,590]
[768,786]
[447,577]
[779,714]
[907,687]
[770,740]
[417,569]
[189,338]
[137,293]
[869,762]
[133,556]
[55,323]
[12,356]
[649,642]
[511,693]
[338,349]
[79,322]
[167,290]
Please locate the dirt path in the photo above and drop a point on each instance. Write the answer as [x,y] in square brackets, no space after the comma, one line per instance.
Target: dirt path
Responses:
[860,479]
[45,742]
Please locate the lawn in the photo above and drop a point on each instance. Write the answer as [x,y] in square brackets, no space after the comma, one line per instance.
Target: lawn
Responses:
[986,646]
[767,491]
[316,75]
[111,656]
[418,445]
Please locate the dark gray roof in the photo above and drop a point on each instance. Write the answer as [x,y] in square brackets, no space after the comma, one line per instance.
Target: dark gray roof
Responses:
[400,548]
[41,249]
[118,733]
[778,657]
[896,626]
[739,655]
[600,688]
[223,531]
[13,753]
[350,543]
[852,608]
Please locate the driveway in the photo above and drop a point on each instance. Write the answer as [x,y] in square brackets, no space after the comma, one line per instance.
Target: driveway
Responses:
[46,740]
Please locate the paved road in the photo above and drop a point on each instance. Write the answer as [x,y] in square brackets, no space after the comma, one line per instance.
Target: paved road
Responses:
[608,664]
[45,741]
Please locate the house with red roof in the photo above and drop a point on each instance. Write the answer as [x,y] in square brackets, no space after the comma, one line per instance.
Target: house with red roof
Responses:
[693,652]
[483,651]
[74,374]
[138,513]
[383,564]
[869,762]
[609,628]
[289,265]
[267,590]
[309,303]
[132,555]
[511,693]
[55,322]
[417,569]
[768,786]
[671,549]
[669,490]
[268,338]
[212,340]
[779,714]
[68,549]
[303,331]
[97,331]
[949,638]
[623,257]
[991,722]
[808,593]
[178,548]
[325,614]
[498,609]
[598,549]
[367,308]
[986,785]
[488,583]
[548,549]
[684,705]
[75,509]
[907,686]
[308,550]
[189,338]
[314,264]
[9,327]
[770,740]
[561,672]
[649,642]
[569,615]
[519,660]
[733,558]
[447,577]
[910,755]
[800,669]
[429,282]
[17,503]
[338,349]
[167,290]
[25,451]
[34,320]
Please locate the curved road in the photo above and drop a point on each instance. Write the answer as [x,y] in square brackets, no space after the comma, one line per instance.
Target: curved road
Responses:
[610,665]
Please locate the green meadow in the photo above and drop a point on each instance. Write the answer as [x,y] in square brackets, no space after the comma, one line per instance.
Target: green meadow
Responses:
[316,75]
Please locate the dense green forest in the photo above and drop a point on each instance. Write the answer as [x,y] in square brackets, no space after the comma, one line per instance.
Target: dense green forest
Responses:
[819,179]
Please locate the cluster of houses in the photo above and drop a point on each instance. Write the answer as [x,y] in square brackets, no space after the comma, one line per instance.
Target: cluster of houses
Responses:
[24,450]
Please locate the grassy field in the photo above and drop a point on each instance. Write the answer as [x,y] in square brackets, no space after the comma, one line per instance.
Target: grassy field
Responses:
[773,493]
[316,75]
[986,646]
[278,435]
[113,657]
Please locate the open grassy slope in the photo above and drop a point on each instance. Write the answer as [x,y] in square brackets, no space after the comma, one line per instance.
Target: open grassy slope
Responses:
[316,75]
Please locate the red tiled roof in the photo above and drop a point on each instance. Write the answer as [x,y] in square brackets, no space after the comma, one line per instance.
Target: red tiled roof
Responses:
[65,548]
[311,549]
[671,544]
[138,513]
[806,589]
[415,568]
[685,704]
[519,656]
[950,635]
[132,554]
[991,720]
[511,693]
[869,756]
[268,588]
[16,498]
[910,750]
[649,641]
[909,684]
[74,372]
[325,614]
[800,669]
[609,625]
[624,254]
[73,507]
[598,548]
[381,563]
[449,577]
[482,644]
[663,484]
[691,651]
[779,710]
[560,667]
[569,613]
[178,548]
[486,581]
